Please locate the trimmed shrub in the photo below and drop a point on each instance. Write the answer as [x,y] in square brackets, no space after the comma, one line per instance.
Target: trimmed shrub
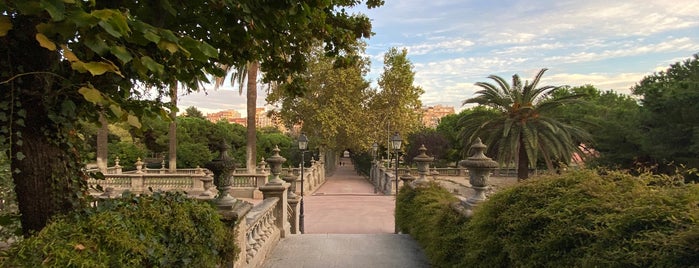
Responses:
[162,230]
[426,215]
[578,219]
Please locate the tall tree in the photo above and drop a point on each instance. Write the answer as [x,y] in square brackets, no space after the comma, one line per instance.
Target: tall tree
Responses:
[329,111]
[524,123]
[670,113]
[61,60]
[397,103]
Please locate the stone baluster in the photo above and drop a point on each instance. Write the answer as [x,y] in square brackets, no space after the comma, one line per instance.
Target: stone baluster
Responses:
[423,165]
[479,168]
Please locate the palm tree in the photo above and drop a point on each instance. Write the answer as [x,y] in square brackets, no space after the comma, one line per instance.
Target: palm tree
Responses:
[242,72]
[520,123]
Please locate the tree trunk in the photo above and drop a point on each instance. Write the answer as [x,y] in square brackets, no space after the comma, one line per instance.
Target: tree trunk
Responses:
[172,132]
[47,174]
[102,140]
[251,146]
[523,161]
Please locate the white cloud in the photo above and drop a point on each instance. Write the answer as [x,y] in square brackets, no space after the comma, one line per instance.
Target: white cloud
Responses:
[629,48]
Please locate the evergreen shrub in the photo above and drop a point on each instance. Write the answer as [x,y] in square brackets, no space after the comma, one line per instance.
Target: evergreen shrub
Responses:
[578,219]
[161,230]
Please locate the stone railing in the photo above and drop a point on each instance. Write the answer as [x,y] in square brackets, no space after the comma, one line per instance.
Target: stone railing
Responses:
[261,233]
[139,183]
[313,176]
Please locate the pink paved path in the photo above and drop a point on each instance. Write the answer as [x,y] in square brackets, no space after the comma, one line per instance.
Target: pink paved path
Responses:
[347,204]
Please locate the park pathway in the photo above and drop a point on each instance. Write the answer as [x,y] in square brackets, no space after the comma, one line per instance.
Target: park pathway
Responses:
[347,224]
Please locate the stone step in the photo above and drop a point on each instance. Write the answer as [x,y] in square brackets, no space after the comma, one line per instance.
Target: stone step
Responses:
[347,250]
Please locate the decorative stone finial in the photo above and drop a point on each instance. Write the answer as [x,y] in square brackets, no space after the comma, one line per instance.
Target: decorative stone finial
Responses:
[139,165]
[276,161]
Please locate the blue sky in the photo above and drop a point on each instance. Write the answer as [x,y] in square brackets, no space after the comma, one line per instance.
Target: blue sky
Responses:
[453,44]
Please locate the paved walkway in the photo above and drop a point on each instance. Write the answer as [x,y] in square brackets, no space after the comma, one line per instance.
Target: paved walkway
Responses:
[347,225]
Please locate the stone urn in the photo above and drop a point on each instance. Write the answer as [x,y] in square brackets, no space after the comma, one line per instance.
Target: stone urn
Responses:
[223,168]
[479,168]
[423,165]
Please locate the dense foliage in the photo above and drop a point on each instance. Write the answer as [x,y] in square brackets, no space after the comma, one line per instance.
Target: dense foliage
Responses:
[669,118]
[162,230]
[578,219]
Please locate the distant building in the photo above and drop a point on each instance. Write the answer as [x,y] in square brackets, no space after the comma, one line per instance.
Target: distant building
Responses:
[227,115]
[431,115]
[262,119]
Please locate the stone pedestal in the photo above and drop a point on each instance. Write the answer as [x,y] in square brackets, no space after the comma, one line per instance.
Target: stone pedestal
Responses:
[278,188]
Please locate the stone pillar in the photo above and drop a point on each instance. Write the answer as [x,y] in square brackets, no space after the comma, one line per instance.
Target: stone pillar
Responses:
[423,165]
[479,167]
[277,188]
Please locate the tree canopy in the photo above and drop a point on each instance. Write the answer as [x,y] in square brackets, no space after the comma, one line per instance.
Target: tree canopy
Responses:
[669,117]
[64,60]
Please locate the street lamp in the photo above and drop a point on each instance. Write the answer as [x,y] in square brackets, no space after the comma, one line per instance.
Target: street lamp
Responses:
[303,145]
[396,142]
[374,149]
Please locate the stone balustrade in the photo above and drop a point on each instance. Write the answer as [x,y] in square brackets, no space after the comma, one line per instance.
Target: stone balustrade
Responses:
[262,233]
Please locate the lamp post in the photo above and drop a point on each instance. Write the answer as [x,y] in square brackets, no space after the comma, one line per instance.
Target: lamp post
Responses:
[374,149]
[396,142]
[303,145]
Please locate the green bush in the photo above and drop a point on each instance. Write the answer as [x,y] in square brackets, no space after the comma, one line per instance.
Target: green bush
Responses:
[162,230]
[426,215]
[578,219]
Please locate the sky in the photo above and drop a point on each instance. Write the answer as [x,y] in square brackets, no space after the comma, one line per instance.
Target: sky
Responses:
[452,44]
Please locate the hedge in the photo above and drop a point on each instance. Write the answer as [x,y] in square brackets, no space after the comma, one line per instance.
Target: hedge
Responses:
[578,219]
[162,230]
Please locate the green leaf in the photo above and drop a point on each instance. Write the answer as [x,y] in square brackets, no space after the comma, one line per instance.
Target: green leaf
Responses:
[133,121]
[151,35]
[5,25]
[169,46]
[97,44]
[152,65]
[20,156]
[91,94]
[208,50]
[55,8]
[109,28]
[121,53]
[45,42]
[99,68]
[116,110]
[82,18]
